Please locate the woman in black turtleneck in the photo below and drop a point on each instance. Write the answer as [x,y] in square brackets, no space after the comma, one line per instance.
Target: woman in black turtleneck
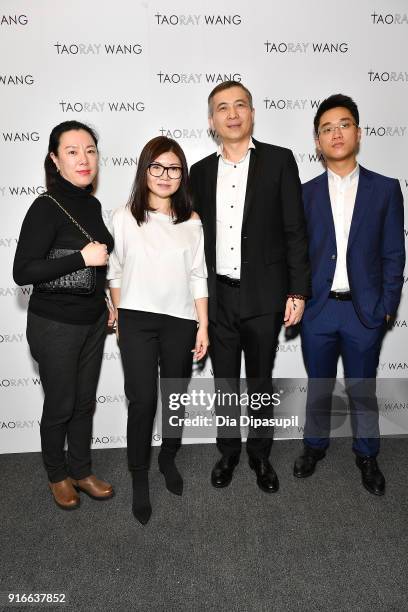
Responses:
[65,332]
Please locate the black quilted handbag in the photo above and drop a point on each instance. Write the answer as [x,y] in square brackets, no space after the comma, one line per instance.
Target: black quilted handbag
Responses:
[80,282]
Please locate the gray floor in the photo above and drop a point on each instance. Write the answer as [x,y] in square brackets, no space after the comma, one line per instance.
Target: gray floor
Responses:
[322,543]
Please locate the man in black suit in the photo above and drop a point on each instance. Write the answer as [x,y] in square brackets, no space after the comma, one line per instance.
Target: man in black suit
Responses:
[248,196]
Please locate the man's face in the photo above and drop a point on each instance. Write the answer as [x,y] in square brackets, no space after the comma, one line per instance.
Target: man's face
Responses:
[338,136]
[232,117]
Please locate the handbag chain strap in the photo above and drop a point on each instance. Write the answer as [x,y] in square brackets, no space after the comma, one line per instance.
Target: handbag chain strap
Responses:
[45,195]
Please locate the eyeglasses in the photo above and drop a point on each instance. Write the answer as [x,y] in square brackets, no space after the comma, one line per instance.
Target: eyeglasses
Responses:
[343,126]
[173,172]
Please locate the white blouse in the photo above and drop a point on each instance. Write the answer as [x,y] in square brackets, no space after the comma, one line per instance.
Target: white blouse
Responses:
[159,266]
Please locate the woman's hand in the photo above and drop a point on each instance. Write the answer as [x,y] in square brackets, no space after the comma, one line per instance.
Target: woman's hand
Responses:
[113,314]
[95,254]
[202,343]
[115,301]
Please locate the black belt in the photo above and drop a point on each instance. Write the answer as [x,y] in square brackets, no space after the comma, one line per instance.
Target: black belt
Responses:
[340,295]
[226,280]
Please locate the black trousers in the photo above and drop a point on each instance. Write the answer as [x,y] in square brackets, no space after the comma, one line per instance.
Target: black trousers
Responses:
[257,337]
[69,358]
[147,339]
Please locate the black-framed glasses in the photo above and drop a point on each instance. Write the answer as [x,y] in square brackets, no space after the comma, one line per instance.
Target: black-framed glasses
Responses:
[157,170]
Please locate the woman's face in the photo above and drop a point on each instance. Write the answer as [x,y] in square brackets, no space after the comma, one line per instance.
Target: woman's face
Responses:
[77,158]
[163,186]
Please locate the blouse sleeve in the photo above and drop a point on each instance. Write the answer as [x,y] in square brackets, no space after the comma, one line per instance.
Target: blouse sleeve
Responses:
[198,278]
[115,267]
[37,236]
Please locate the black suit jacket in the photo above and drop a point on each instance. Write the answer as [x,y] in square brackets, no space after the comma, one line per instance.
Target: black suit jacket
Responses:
[274,250]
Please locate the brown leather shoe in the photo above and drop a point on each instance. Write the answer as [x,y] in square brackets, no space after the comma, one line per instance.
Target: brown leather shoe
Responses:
[95,488]
[64,494]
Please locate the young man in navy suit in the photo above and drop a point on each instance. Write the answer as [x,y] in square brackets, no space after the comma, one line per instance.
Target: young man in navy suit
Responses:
[355,221]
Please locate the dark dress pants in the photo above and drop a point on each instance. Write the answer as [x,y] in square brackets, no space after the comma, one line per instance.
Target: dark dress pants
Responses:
[147,339]
[69,357]
[257,337]
[337,331]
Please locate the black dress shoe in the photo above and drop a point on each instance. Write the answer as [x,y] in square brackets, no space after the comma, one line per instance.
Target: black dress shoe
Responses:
[306,463]
[222,472]
[266,477]
[371,475]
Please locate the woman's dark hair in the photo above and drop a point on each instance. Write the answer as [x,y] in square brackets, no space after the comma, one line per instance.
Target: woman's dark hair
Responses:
[50,168]
[333,102]
[181,203]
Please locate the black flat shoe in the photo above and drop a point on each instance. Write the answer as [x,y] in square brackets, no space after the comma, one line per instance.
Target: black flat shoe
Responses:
[305,464]
[371,476]
[222,472]
[266,477]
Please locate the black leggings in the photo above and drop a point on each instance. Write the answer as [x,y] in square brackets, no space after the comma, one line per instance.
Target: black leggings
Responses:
[147,339]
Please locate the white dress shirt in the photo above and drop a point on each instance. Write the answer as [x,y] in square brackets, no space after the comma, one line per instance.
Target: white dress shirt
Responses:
[343,192]
[231,189]
[159,266]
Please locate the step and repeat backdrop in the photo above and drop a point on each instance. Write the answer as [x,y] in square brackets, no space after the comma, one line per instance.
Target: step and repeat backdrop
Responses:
[138,69]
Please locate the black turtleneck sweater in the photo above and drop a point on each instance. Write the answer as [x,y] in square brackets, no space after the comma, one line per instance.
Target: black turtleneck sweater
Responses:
[45,226]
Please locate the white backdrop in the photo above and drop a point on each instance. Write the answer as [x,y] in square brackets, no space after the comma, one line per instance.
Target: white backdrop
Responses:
[137,69]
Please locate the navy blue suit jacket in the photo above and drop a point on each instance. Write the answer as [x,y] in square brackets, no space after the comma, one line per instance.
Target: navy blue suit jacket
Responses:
[375,250]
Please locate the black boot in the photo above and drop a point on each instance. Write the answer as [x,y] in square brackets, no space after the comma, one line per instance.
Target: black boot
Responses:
[167,466]
[141,507]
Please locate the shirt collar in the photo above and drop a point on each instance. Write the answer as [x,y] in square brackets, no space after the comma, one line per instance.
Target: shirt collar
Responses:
[348,179]
[220,150]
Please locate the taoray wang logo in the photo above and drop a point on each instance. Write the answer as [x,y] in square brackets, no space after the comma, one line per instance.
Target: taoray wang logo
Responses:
[16,79]
[23,190]
[98,48]
[387,77]
[371,130]
[184,133]
[7,338]
[305,47]
[117,161]
[389,18]
[15,291]
[101,106]
[197,20]
[13,20]
[292,104]
[21,136]
[195,78]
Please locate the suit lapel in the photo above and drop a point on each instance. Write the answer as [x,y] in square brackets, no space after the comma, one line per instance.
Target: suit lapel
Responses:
[324,203]
[251,180]
[211,208]
[361,204]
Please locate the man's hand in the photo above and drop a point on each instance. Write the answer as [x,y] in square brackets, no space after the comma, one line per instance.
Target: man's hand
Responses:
[294,311]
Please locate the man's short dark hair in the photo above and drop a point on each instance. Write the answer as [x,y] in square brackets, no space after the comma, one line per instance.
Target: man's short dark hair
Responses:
[333,102]
[222,87]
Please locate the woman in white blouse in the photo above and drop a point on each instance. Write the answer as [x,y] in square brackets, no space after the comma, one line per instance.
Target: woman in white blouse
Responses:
[158,285]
